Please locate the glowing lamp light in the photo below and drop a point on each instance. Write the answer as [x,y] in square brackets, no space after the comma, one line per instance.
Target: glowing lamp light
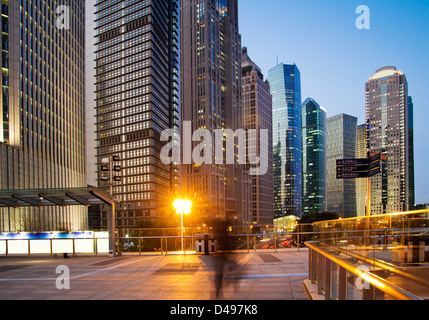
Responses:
[182,206]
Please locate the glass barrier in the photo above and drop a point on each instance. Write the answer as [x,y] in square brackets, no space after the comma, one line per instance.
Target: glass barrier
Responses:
[393,246]
[54,246]
[217,243]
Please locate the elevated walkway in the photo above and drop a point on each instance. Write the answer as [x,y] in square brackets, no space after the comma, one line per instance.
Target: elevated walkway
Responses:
[370,258]
[245,276]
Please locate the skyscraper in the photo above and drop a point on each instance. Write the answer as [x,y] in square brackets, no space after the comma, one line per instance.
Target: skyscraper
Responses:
[90,93]
[211,100]
[257,114]
[285,82]
[314,157]
[411,182]
[42,133]
[361,184]
[137,97]
[342,130]
[388,132]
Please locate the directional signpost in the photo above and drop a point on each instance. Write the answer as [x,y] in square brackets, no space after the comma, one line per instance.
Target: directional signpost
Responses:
[352,162]
[352,175]
[373,172]
[361,168]
[358,168]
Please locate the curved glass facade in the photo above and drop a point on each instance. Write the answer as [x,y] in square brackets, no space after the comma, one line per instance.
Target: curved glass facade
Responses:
[314,167]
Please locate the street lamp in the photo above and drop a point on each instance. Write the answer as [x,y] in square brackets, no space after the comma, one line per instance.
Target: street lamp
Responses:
[182,207]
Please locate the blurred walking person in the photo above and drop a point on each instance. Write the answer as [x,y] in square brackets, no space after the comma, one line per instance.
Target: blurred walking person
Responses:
[225,264]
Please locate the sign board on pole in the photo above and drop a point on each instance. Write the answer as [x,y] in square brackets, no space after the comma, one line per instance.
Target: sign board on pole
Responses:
[352,169]
[376,157]
[352,162]
[383,157]
[359,168]
[352,175]
[374,172]
[373,165]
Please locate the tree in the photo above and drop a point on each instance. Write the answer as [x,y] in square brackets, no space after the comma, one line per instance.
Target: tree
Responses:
[305,223]
[319,216]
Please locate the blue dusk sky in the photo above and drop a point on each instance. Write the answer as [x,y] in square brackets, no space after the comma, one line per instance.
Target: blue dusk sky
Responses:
[336,58]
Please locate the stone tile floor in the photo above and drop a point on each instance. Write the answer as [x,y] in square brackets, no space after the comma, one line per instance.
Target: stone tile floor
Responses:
[245,276]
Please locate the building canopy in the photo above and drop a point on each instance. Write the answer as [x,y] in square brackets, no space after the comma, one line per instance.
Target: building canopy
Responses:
[54,197]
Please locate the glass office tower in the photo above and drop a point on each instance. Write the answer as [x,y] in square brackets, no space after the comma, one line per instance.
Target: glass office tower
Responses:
[285,82]
[361,184]
[314,157]
[42,134]
[137,97]
[342,131]
[411,177]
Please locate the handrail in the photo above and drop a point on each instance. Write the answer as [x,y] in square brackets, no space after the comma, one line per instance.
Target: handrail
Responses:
[373,279]
[373,217]
[382,264]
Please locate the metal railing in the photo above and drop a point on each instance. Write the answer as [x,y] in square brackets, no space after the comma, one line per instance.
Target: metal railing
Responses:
[243,242]
[376,257]
[337,279]
[155,245]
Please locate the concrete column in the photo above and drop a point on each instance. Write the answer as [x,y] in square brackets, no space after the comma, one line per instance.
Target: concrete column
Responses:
[112,232]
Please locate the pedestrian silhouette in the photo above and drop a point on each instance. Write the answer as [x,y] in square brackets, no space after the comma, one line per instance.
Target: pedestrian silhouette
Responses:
[225,264]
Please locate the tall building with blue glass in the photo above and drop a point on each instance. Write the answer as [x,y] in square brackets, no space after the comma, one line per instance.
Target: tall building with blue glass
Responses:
[314,162]
[285,82]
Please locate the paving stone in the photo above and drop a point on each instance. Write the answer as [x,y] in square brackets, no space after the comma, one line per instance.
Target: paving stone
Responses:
[266,276]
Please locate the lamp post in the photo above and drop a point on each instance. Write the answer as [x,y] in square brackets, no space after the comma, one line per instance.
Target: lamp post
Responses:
[182,207]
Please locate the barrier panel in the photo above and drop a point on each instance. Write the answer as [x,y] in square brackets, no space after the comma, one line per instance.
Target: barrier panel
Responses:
[40,246]
[377,257]
[84,246]
[54,246]
[62,246]
[17,247]
[2,246]
[102,246]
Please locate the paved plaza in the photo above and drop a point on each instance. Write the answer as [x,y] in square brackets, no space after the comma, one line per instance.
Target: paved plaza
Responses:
[242,276]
